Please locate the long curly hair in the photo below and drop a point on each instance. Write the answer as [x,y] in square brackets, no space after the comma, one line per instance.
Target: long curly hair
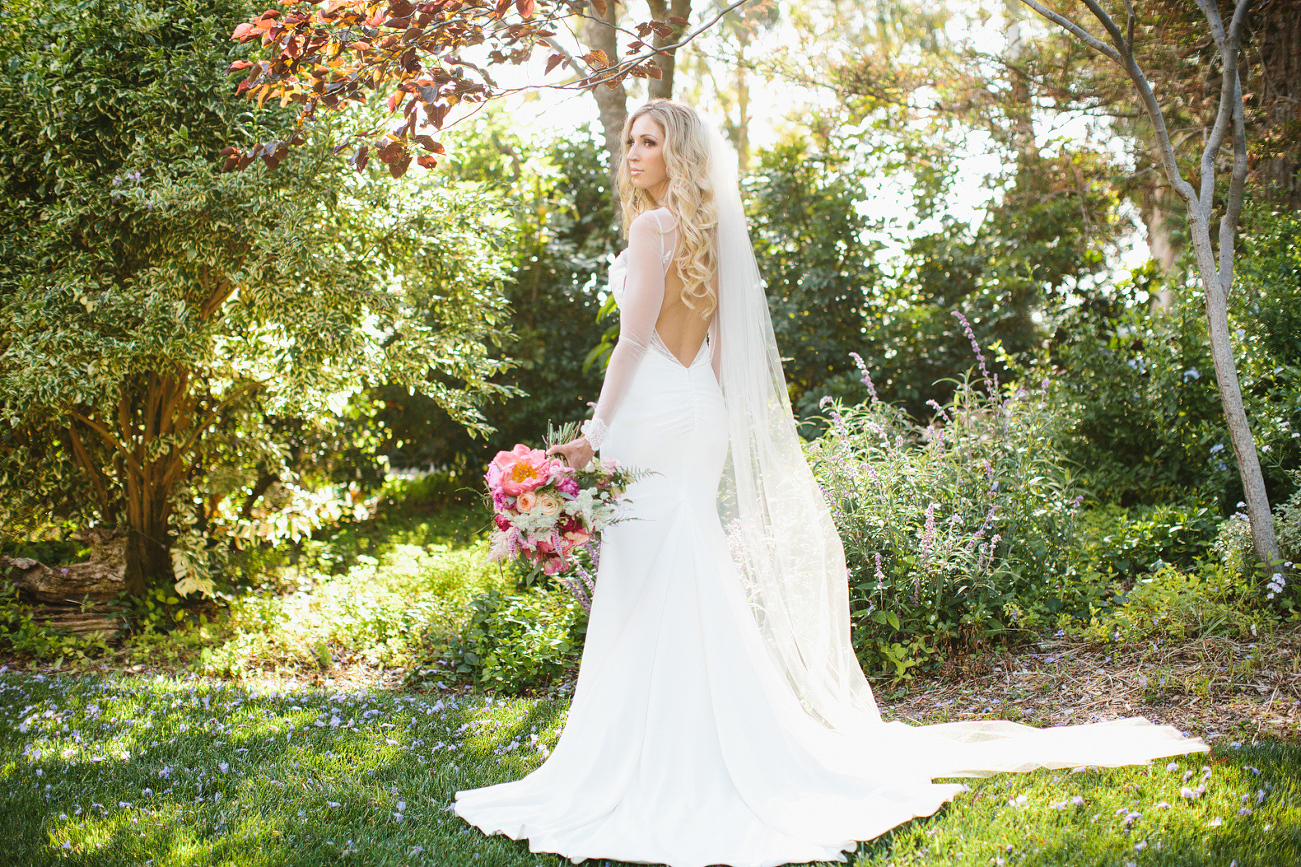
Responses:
[689,200]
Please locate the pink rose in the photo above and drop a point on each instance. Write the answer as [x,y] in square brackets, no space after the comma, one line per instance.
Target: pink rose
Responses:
[519,470]
[502,522]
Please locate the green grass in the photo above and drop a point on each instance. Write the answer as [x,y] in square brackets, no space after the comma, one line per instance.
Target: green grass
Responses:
[169,772]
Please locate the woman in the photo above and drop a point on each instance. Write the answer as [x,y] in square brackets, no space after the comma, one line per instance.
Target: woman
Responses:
[720,716]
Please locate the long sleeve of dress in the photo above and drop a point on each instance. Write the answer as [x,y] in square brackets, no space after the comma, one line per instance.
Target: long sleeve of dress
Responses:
[643,296]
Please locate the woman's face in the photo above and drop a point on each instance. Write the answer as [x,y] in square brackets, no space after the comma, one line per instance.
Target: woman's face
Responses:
[646,157]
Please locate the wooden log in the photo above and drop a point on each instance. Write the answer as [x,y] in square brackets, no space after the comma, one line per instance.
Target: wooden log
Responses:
[100,620]
[96,581]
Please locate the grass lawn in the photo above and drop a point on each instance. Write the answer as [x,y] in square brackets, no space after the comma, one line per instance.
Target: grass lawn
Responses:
[284,731]
[161,771]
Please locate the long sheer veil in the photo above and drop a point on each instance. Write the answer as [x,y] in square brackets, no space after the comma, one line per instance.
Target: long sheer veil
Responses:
[781,533]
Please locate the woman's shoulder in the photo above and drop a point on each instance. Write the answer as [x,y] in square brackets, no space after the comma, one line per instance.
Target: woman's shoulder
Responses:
[659,218]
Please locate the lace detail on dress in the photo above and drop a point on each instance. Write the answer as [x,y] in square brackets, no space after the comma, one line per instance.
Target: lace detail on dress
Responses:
[595,431]
[619,268]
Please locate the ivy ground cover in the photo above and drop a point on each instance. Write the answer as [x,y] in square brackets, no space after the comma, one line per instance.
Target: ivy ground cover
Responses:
[107,771]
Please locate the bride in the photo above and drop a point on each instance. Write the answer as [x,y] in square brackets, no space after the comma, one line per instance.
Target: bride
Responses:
[720,716]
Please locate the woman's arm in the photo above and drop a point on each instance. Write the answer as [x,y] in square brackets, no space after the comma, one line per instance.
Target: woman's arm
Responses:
[643,296]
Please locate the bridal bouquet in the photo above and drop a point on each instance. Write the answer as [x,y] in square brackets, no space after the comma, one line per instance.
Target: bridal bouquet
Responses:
[545,510]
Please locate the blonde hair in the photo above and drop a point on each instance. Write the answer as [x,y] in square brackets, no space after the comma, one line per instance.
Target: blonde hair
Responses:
[689,199]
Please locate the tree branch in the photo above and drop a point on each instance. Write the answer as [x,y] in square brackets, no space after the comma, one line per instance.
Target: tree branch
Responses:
[83,458]
[1117,38]
[618,71]
[1079,32]
[108,438]
[1238,179]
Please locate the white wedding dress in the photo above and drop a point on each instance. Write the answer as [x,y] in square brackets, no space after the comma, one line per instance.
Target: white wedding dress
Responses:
[691,741]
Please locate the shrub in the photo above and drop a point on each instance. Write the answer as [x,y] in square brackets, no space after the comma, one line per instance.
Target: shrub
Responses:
[1177,605]
[1140,408]
[520,642]
[1233,547]
[955,532]
[1129,544]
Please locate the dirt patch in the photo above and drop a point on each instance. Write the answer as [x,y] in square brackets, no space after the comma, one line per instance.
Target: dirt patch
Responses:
[1212,687]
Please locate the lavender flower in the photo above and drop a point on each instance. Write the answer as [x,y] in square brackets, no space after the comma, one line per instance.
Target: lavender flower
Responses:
[992,384]
[867,379]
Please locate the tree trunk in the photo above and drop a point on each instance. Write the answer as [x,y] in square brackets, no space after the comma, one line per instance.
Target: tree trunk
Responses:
[1022,121]
[148,555]
[661,10]
[1226,377]
[611,102]
[742,103]
[1155,210]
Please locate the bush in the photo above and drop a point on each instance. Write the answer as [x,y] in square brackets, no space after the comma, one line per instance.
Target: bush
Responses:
[520,642]
[1129,544]
[1140,407]
[1233,547]
[1178,605]
[956,532]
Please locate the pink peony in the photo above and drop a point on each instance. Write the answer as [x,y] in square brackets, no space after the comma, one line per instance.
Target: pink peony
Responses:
[577,537]
[519,470]
[568,485]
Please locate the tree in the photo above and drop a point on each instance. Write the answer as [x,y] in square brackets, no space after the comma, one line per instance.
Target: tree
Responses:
[566,231]
[158,315]
[1217,278]
[417,52]
[809,242]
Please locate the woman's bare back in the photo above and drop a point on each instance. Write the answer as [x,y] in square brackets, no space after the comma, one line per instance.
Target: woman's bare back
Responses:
[681,328]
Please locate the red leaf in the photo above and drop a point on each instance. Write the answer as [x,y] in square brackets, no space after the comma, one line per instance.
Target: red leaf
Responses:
[429,144]
[399,167]
[597,57]
[243,31]
[554,60]
[600,7]
[238,65]
[227,151]
[426,161]
[678,21]
[525,7]
[360,158]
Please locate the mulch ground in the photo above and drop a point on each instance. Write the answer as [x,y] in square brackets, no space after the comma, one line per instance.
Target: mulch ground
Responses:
[1211,687]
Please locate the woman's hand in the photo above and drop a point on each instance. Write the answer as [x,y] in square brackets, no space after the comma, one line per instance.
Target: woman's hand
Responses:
[576,453]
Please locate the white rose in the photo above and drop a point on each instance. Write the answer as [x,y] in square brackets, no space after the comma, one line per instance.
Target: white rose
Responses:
[548,505]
